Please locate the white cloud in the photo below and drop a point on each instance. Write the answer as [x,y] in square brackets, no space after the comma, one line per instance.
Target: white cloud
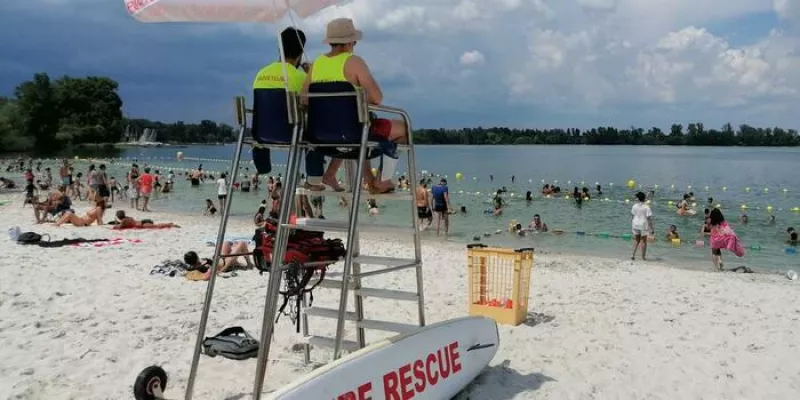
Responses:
[592,57]
[788,9]
[473,57]
[602,5]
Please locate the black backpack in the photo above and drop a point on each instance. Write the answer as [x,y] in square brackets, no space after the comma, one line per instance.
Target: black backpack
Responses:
[234,343]
[30,238]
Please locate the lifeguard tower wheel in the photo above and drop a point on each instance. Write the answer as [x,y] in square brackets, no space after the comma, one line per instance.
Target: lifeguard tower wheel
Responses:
[150,384]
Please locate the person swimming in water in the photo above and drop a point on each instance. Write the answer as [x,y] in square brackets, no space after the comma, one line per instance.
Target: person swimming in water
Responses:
[672,233]
[537,224]
[792,237]
[499,203]
[528,196]
[576,194]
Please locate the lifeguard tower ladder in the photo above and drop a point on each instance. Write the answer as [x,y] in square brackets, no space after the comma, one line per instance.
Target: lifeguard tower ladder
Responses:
[341,113]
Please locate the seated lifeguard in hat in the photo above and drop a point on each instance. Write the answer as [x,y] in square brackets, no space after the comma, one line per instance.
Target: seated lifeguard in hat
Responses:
[341,65]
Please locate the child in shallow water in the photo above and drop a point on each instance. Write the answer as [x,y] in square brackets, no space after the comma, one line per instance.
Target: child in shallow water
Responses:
[211,210]
[672,233]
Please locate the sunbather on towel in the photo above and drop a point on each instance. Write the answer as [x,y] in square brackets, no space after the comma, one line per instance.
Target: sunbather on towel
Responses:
[229,260]
[93,215]
[126,222]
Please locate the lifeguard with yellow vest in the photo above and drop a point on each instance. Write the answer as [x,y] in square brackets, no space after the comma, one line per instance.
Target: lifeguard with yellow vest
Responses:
[341,65]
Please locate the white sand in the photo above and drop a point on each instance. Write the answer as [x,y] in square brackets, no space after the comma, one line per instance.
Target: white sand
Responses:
[79,323]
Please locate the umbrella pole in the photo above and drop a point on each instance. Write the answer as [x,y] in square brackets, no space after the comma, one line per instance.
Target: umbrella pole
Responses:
[223,225]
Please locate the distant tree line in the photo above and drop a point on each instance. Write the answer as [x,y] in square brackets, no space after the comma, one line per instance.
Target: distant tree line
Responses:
[46,116]
[695,134]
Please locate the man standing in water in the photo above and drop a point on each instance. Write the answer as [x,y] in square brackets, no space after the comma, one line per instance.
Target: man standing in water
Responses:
[424,204]
[441,205]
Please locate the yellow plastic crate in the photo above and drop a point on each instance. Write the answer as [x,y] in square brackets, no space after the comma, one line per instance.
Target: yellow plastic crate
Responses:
[499,282]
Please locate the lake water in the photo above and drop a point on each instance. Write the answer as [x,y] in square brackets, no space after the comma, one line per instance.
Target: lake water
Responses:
[763,179]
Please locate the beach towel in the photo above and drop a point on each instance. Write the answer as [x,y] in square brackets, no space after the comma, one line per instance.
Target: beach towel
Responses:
[144,227]
[723,237]
[170,268]
[105,242]
[240,238]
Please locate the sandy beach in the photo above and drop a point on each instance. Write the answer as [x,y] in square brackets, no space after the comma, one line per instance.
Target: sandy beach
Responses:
[80,323]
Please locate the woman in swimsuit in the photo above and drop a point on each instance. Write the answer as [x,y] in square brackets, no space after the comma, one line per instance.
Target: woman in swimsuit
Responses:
[126,222]
[93,215]
[258,218]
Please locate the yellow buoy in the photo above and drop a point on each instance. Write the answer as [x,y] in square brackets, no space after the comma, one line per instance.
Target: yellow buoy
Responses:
[724,188]
[627,200]
[766,190]
[631,184]
[670,202]
[719,206]
[459,176]
[375,171]
[747,189]
[744,206]
[769,208]
[655,186]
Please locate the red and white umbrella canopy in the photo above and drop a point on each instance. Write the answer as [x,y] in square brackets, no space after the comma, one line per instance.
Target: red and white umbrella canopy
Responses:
[266,11]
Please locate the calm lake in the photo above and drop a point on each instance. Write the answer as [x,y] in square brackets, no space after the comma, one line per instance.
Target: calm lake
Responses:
[764,180]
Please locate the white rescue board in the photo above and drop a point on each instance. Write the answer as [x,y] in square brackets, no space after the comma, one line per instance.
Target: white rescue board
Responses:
[435,362]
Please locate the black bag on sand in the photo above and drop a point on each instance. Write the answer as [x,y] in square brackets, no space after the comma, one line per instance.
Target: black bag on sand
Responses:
[234,343]
[30,238]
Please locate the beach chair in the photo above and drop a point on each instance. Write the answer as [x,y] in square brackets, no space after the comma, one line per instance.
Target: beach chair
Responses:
[340,120]
[275,118]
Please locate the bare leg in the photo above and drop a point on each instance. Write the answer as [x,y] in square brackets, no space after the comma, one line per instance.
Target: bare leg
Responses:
[637,238]
[399,132]
[644,248]
[329,178]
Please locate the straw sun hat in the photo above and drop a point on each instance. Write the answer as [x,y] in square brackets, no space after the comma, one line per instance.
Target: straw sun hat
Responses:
[342,31]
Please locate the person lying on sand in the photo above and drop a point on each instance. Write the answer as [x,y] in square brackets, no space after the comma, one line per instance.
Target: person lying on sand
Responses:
[229,259]
[95,214]
[126,222]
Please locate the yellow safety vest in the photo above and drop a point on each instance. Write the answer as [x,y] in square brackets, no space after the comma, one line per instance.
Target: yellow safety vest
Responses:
[329,69]
[271,77]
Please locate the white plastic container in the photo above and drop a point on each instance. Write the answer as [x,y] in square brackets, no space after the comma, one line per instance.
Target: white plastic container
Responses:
[14,232]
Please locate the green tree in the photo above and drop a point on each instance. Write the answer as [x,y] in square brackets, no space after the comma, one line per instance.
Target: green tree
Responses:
[36,104]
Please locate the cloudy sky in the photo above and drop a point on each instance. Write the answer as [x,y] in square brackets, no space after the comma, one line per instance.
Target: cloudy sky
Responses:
[452,63]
